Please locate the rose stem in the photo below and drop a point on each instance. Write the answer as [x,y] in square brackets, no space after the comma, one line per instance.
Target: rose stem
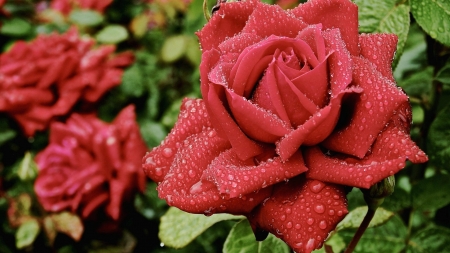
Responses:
[362,228]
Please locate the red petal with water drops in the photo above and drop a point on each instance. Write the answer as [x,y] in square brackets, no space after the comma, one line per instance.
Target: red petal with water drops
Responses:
[389,153]
[380,50]
[182,186]
[339,62]
[371,111]
[239,42]
[219,28]
[316,129]
[301,212]
[267,20]
[193,118]
[341,14]
[235,177]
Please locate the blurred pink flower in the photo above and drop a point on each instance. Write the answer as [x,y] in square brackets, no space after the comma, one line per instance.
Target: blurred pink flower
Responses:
[91,166]
[45,78]
[66,6]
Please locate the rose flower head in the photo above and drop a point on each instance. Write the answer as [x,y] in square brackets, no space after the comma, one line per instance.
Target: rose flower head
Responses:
[44,79]
[91,167]
[297,106]
[66,6]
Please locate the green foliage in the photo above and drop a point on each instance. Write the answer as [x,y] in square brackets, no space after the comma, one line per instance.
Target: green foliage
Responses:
[86,17]
[27,233]
[179,228]
[242,240]
[387,238]
[438,141]
[15,27]
[431,193]
[355,217]
[433,239]
[434,17]
[112,34]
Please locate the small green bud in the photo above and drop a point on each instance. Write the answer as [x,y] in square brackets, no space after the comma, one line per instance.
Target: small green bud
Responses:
[374,196]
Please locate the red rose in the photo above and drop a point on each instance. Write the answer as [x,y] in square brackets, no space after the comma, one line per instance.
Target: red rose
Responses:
[90,165]
[295,96]
[44,79]
[66,6]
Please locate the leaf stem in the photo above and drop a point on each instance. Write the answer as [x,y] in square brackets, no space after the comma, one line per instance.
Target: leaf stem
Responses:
[362,228]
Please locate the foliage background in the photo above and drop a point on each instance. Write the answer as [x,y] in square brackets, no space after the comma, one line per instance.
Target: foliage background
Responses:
[416,218]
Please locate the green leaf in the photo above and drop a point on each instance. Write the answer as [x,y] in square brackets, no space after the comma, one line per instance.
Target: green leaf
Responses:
[242,240]
[431,193]
[69,224]
[434,239]
[438,141]
[27,233]
[389,237]
[178,228]
[6,132]
[384,16]
[86,17]
[356,216]
[174,48]
[28,168]
[112,34]
[443,75]
[15,27]
[132,81]
[152,132]
[419,84]
[434,18]
[148,204]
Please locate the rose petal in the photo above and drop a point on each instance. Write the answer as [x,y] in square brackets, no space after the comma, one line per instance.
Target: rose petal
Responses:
[312,35]
[301,212]
[380,50]
[219,28]
[182,187]
[341,14]
[235,177]
[193,118]
[267,20]
[315,129]
[269,127]
[372,111]
[243,79]
[238,43]
[389,153]
[226,126]
[339,61]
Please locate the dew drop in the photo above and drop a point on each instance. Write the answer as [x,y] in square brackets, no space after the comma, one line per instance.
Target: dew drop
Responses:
[316,186]
[368,105]
[289,225]
[319,208]
[310,221]
[368,178]
[323,225]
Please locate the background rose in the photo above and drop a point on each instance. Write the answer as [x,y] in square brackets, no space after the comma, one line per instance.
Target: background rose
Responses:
[44,79]
[66,6]
[286,93]
[91,166]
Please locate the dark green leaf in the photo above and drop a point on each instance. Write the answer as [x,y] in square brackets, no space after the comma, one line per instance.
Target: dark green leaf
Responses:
[15,27]
[434,17]
[444,74]
[242,240]
[438,141]
[399,200]
[434,239]
[419,84]
[335,241]
[112,34]
[132,81]
[389,237]
[148,204]
[6,132]
[178,228]
[356,216]
[431,193]
[86,17]
[27,233]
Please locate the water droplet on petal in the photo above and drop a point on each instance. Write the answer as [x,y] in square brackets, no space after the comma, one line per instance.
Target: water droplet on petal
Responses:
[316,186]
[319,208]
[323,224]
[368,178]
